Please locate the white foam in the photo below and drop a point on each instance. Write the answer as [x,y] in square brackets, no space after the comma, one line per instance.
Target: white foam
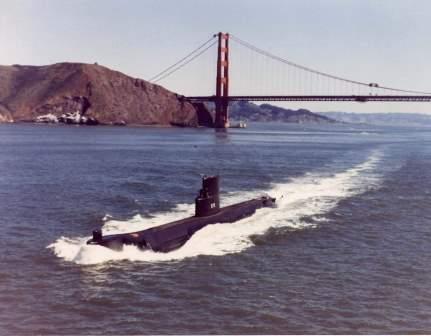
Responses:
[311,195]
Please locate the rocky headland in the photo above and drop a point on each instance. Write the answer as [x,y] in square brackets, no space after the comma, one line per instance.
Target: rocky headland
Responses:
[101,95]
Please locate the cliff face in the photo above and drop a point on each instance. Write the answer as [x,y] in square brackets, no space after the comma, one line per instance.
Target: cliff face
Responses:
[96,91]
[5,114]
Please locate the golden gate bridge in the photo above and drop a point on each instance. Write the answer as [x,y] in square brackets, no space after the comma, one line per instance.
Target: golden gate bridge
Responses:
[302,75]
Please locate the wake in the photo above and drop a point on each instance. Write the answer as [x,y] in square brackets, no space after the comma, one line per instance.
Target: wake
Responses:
[310,195]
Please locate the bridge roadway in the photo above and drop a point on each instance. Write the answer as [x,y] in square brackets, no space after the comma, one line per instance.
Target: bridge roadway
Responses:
[356,98]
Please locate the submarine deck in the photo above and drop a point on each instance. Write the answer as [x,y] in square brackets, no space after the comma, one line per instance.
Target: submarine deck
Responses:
[220,213]
[169,236]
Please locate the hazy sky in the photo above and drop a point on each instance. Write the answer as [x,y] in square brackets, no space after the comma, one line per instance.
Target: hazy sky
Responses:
[386,41]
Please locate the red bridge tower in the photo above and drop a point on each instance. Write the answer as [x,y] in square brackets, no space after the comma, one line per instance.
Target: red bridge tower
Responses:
[222,82]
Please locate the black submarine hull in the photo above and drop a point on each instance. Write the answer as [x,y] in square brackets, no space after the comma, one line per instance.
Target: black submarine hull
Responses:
[171,236]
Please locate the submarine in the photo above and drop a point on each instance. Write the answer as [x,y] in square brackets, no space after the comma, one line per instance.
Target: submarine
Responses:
[171,236]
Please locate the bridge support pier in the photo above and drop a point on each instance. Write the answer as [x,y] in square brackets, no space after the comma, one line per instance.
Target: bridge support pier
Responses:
[222,82]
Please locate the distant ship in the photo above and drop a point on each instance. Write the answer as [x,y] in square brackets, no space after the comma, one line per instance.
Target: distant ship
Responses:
[171,236]
[240,124]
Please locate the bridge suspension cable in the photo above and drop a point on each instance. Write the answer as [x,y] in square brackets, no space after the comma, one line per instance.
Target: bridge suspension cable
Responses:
[320,73]
[184,61]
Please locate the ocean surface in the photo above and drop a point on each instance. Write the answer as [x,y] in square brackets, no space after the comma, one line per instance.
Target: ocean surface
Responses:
[347,250]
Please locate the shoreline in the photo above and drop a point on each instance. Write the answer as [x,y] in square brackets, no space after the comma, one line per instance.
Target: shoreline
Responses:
[25,122]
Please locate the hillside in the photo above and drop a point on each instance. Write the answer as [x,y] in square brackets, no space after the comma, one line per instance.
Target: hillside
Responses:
[95,91]
[388,119]
[266,112]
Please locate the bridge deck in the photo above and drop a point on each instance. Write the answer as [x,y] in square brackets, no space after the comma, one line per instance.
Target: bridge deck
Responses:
[357,98]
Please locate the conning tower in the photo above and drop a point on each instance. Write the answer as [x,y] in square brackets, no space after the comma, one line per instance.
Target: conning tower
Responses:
[208,202]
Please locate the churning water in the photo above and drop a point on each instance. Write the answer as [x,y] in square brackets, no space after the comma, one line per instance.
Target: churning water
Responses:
[345,251]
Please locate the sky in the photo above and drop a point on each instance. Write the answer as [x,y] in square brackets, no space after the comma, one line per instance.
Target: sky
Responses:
[379,41]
